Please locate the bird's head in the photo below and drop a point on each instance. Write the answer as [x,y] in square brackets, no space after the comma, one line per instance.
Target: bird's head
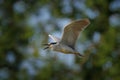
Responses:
[50,45]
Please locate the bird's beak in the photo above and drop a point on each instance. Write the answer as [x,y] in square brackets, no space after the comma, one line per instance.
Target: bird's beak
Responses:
[47,46]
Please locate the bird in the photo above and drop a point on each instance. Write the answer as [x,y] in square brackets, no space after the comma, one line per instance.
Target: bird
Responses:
[67,43]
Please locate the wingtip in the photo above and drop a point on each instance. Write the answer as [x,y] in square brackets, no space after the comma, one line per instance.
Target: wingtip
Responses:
[49,35]
[87,20]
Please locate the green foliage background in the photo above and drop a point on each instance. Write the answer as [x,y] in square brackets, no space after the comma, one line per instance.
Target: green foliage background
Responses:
[24,27]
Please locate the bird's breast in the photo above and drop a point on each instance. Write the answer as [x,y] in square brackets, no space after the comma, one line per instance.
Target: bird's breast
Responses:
[64,49]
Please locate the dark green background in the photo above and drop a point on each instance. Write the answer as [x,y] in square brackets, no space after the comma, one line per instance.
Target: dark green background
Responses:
[20,39]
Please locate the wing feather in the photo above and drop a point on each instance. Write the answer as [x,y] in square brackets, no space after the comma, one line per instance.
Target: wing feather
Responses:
[72,31]
[56,39]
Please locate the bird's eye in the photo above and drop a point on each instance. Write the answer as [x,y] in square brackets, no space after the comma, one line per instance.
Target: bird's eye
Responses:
[53,43]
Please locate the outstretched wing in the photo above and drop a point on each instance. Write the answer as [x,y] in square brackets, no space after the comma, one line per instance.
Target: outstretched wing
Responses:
[72,30]
[54,38]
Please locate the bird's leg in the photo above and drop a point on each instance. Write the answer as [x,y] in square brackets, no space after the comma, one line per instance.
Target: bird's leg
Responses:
[78,54]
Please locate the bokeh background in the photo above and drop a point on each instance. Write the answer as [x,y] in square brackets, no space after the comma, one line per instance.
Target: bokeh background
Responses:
[25,25]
